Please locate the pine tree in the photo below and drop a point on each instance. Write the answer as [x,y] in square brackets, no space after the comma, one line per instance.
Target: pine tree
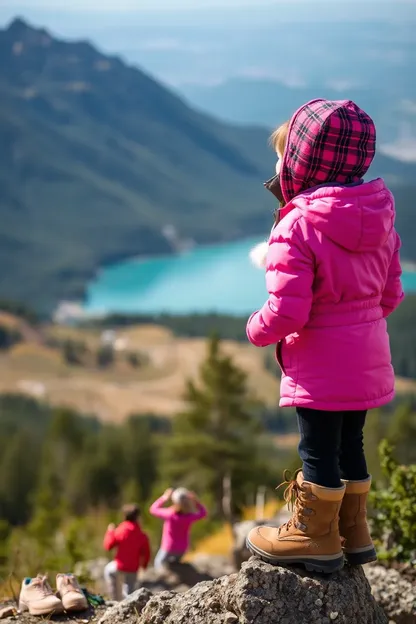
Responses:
[141,456]
[374,432]
[402,433]
[214,447]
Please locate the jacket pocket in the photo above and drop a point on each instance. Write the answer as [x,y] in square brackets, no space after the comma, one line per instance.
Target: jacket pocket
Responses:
[279,356]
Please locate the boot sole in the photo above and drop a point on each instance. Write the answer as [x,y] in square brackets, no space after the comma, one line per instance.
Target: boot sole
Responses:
[327,564]
[361,557]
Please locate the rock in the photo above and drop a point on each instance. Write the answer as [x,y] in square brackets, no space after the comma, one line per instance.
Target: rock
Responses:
[128,610]
[213,565]
[263,594]
[178,577]
[395,592]
[92,570]
[7,612]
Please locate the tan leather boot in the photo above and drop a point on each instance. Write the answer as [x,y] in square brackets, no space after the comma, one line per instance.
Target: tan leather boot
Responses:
[353,526]
[311,536]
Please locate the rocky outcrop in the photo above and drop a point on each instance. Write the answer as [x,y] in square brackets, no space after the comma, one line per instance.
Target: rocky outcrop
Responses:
[178,577]
[260,594]
[395,592]
[127,612]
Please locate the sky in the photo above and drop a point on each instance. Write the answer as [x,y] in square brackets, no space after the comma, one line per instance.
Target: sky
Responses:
[132,5]
[137,5]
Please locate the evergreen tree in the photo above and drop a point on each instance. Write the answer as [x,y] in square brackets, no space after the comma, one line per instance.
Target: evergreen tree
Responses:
[401,433]
[214,447]
[374,432]
[19,467]
[141,456]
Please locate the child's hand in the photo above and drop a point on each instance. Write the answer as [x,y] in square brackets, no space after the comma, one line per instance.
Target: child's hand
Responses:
[168,493]
[111,527]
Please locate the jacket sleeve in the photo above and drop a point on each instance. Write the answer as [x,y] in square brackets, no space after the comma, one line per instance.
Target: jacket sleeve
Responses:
[145,552]
[289,279]
[393,293]
[110,539]
[157,509]
[200,513]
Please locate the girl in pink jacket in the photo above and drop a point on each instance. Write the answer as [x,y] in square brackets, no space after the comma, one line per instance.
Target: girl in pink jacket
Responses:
[178,519]
[333,276]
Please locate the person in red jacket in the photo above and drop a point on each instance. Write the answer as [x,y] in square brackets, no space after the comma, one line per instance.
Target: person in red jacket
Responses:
[132,554]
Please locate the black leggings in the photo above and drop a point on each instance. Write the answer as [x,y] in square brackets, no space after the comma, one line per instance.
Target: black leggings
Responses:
[331,446]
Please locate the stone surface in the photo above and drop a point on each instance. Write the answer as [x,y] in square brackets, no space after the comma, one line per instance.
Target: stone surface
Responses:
[395,592]
[128,610]
[7,612]
[178,577]
[263,594]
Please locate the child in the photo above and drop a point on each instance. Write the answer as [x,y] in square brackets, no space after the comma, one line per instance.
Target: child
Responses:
[186,510]
[133,552]
[333,276]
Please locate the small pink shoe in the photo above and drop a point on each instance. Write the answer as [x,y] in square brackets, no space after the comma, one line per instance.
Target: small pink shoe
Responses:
[71,594]
[37,597]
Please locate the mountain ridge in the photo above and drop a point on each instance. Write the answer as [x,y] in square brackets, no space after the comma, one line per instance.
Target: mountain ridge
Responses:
[93,145]
[97,157]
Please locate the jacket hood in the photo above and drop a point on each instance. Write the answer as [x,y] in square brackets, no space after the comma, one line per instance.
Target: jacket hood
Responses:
[328,142]
[358,218]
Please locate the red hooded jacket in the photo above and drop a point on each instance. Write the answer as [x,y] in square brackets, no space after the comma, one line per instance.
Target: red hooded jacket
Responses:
[133,549]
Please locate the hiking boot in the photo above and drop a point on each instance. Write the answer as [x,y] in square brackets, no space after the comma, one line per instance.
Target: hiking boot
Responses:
[353,526]
[37,597]
[311,536]
[71,594]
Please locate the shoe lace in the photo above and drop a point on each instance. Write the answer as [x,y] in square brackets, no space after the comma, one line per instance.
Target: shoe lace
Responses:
[292,497]
[70,582]
[42,585]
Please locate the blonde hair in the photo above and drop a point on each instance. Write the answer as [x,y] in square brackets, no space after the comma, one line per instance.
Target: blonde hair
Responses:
[279,138]
[182,501]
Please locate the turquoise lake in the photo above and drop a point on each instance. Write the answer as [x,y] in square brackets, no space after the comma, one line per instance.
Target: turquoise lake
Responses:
[215,278]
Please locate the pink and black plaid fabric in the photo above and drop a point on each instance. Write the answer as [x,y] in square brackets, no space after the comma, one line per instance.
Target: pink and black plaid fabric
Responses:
[328,141]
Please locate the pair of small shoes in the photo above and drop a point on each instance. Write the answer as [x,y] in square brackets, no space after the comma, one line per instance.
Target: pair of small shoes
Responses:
[38,598]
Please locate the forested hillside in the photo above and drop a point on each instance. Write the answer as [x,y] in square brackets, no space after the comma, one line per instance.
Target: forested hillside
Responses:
[97,158]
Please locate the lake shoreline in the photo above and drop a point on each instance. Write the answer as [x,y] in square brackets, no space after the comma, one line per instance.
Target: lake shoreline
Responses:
[215,278]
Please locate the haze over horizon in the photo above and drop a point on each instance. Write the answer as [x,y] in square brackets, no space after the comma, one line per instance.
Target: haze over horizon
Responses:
[238,43]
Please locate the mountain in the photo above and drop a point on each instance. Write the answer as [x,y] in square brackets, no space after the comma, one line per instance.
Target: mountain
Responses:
[268,102]
[97,158]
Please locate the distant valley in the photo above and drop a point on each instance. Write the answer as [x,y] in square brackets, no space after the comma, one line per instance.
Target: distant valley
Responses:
[98,158]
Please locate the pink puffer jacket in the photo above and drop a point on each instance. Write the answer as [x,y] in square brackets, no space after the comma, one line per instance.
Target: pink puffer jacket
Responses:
[333,274]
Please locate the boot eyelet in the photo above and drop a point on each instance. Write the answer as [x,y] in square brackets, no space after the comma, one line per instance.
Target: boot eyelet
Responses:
[301,526]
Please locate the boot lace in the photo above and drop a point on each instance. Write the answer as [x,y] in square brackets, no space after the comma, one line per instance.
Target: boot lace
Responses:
[293,498]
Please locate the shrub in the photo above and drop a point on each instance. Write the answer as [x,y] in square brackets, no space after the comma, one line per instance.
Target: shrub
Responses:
[105,356]
[8,337]
[137,359]
[74,351]
[394,505]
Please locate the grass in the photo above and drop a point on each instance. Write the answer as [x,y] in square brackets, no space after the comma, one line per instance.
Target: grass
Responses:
[117,391]
[221,542]
[114,393]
